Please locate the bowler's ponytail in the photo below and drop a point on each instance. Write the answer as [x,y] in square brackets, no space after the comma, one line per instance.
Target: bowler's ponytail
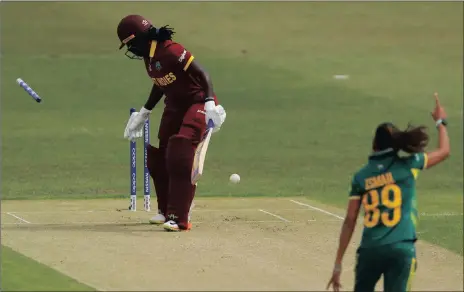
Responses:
[412,140]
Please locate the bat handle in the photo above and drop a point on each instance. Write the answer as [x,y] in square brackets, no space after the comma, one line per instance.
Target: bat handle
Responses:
[28,89]
[210,124]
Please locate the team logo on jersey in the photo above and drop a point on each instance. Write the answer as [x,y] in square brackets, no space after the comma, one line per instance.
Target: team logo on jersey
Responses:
[157,66]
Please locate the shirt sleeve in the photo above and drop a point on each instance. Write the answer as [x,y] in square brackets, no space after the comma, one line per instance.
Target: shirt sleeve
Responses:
[356,190]
[418,161]
[182,58]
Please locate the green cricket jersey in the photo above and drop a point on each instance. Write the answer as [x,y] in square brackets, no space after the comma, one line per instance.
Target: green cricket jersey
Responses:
[387,187]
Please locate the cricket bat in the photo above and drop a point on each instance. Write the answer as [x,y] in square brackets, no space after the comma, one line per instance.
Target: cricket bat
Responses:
[200,155]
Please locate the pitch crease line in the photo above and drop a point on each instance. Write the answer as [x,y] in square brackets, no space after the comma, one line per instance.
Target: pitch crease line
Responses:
[133,223]
[272,214]
[317,209]
[19,218]
[125,210]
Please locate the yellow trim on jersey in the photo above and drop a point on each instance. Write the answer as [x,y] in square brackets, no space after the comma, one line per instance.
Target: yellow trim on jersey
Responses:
[187,65]
[415,172]
[152,49]
[426,160]
[412,273]
[355,198]
[414,219]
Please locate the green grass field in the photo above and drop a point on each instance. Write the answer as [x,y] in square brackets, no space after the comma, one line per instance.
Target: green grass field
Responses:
[20,273]
[291,128]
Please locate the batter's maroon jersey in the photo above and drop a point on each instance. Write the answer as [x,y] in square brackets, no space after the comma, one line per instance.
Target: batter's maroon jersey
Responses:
[167,69]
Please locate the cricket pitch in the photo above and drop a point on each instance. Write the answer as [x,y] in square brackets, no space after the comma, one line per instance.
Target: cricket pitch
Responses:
[235,244]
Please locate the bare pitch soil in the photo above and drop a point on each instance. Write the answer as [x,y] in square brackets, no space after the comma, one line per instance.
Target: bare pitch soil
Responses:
[235,244]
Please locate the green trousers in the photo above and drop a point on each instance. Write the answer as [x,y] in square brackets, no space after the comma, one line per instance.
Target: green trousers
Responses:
[396,262]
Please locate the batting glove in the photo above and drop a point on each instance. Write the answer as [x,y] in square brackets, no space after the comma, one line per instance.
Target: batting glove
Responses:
[215,115]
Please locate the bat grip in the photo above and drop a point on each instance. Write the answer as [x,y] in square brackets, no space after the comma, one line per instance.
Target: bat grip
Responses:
[29,90]
[210,124]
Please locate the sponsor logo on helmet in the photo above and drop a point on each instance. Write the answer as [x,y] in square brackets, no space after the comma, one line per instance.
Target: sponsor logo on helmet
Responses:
[126,40]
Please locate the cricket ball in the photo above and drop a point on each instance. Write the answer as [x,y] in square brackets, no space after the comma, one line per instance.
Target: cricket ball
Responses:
[234,178]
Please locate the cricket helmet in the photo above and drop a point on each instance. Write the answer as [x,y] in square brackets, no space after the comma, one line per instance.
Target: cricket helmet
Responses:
[132,32]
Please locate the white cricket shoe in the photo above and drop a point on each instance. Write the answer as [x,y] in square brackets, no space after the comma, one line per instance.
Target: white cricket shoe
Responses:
[172,226]
[158,219]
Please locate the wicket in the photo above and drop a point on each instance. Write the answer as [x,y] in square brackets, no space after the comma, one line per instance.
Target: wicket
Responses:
[133,170]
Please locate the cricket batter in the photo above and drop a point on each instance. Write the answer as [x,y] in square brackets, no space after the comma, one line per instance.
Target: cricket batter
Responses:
[386,188]
[190,103]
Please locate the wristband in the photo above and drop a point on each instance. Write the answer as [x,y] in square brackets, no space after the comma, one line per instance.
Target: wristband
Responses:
[441,122]
[209,98]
